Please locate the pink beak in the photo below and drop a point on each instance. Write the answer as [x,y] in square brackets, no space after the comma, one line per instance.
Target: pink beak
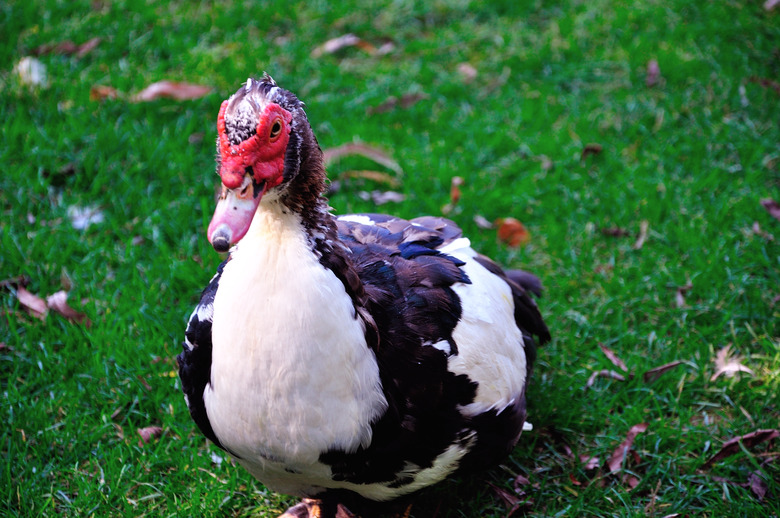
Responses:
[234,213]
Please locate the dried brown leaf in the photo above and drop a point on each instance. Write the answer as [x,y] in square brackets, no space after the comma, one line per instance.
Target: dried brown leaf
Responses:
[615,232]
[520,481]
[679,294]
[511,500]
[728,365]
[392,102]
[758,485]
[756,229]
[344,41]
[59,302]
[482,222]
[589,462]
[100,92]
[455,184]
[772,207]
[467,72]
[604,374]
[749,440]
[653,73]
[610,354]
[766,83]
[372,153]
[656,372]
[382,197]
[171,90]
[615,461]
[148,433]
[375,176]
[67,47]
[35,305]
[591,148]
[640,241]
[512,232]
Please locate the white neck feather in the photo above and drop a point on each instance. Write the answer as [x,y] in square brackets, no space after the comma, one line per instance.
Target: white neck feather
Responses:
[291,373]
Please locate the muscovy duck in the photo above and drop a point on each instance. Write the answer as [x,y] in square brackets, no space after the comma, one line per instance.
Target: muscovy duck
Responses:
[359,356]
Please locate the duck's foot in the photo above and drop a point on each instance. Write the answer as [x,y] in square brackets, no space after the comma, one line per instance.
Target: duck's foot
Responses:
[312,508]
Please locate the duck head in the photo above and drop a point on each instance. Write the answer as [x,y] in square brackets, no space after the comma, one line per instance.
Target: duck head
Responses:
[256,127]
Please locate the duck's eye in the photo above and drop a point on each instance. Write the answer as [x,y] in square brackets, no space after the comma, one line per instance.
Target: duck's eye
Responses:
[276,129]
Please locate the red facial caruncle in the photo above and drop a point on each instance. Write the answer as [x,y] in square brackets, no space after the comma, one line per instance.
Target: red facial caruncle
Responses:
[248,170]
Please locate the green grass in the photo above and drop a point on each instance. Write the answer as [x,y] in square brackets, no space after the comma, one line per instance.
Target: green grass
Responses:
[692,156]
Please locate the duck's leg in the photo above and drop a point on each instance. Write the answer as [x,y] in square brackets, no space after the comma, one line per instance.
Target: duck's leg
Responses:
[313,508]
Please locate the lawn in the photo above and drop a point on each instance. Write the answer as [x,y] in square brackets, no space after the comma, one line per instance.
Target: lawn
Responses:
[640,187]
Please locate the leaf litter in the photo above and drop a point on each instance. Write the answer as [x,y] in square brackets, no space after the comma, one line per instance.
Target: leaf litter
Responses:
[67,47]
[735,444]
[728,365]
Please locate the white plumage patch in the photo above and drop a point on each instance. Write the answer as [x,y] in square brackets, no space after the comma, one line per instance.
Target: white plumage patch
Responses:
[490,345]
[357,218]
[291,374]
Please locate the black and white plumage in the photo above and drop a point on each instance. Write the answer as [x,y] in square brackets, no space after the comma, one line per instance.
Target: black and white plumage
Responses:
[362,354]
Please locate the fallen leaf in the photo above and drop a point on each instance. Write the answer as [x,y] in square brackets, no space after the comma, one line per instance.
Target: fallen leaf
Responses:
[143,382]
[749,440]
[35,305]
[59,302]
[631,481]
[375,176]
[455,184]
[172,90]
[766,83]
[772,207]
[382,197]
[589,463]
[31,72]
[149,433]
[640,241]
[679,294]
[573,480]
[512,232]
[467,72]
[512,500]
[615,461]
[758,485]
[604,374]
[756,229]
[656,372]
[653,73]
[347,40]
[392,102]
[377,155]
[520,481]
[610,354]
[83,217]
[100,92]
[482,222]
[591,149]
[67,47]
[728,365]
[615,232]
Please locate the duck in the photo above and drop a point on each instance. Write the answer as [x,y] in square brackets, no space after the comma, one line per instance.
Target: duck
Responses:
[352,358]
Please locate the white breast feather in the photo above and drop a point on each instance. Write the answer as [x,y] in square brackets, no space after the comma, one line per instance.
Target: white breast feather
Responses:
[291,373]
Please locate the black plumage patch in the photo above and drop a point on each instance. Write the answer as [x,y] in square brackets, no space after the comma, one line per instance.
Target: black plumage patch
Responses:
[395,271]
[195,360]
